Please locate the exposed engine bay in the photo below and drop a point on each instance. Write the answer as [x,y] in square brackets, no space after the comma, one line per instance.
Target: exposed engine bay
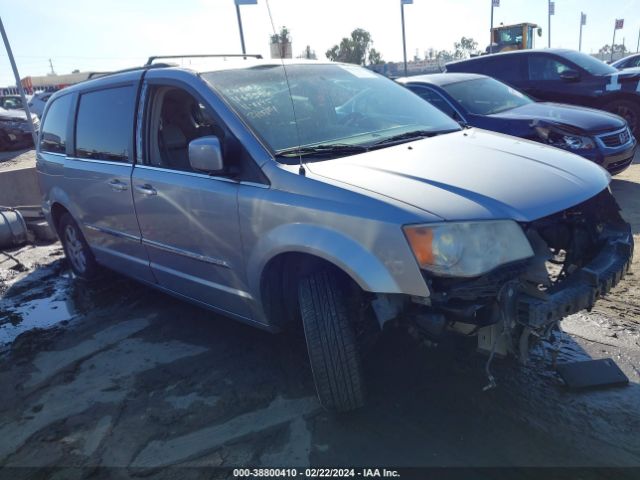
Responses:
[579,254]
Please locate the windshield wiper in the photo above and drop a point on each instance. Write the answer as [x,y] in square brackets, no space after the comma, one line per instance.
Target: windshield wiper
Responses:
[322,150]
[416,134]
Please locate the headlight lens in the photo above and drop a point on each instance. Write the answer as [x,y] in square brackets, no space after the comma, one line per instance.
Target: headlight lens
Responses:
[467,249]
[560,139]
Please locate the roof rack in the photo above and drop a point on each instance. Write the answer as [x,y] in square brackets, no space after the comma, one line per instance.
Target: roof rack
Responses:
[218,55]
[125,70]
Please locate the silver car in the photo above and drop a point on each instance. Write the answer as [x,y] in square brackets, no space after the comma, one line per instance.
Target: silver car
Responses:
[325,195]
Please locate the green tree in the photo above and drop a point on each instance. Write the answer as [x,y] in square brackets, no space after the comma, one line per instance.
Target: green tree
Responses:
[466,47]
[375,57]
[617,48]
[308,53]
[283,37]
[354,49]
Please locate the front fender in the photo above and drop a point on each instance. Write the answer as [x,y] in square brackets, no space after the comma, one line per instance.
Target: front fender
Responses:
[365,268]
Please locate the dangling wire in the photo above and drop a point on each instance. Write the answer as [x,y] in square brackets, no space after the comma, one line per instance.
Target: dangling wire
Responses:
[301,169]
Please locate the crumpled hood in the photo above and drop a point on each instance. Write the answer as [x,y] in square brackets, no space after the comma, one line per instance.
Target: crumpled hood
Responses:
[472,174]
[578,119]
[12,114]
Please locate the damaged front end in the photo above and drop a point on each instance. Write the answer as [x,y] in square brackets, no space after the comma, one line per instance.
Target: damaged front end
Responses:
[579,254]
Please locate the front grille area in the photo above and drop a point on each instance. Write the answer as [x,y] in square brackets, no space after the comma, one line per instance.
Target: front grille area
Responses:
[616,139]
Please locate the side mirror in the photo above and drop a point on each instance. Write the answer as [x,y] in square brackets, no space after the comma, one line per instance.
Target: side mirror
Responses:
[205,154]
[570,76]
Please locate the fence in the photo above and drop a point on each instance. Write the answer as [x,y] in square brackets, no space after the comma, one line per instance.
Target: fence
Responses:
[28,91]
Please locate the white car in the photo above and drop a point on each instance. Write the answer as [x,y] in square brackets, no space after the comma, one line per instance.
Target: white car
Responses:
[38,101]
[630,61]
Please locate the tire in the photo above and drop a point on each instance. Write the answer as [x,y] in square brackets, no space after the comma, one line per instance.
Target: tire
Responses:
[76,249]
[333,352]
[628,110]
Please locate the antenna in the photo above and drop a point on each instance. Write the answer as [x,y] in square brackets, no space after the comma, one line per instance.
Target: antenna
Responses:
[301,169]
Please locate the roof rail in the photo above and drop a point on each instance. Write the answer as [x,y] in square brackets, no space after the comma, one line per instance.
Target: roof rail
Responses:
[125,70]
[218,55]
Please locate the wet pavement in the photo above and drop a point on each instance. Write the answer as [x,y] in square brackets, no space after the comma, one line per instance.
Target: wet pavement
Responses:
[117,374]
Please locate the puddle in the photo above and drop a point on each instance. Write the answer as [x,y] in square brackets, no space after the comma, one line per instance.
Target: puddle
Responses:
[35,313]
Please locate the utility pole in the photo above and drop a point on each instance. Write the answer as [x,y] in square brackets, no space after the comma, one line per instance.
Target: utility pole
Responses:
[51,66]
[18,82]
[404,38]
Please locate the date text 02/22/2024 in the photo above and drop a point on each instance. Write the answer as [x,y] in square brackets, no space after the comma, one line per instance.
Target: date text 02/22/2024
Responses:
[315,473]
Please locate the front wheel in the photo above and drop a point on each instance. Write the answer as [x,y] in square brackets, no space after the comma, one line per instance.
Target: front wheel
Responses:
[628,110]
[76,249]
[333,352]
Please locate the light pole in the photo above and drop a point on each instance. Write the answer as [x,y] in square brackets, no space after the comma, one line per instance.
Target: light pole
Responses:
[18,82]
[583,21]
[238,3]
[404,38]
[494,3]
[619,25]
[552,11]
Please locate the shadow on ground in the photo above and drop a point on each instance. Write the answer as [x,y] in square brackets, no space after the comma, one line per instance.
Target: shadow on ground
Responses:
[628,195]
[141,379]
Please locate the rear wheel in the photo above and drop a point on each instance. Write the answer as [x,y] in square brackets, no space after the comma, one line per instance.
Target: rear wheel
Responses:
[333,351]
[76,249]
[628,110]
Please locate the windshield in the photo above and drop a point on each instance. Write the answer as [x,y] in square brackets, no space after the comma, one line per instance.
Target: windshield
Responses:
[334,104]
[589,63]
[485,96]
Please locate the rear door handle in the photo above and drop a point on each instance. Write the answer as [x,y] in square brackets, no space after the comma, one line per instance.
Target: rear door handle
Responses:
[117,186]
[146,189]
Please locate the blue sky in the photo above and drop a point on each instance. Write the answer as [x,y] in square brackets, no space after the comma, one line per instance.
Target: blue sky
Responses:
[91,35]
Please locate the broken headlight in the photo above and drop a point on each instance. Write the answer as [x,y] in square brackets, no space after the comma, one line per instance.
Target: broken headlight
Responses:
[558,138]
[467,249]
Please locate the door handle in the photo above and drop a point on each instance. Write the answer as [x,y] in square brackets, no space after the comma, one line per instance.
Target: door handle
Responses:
[117,185]
[146,189]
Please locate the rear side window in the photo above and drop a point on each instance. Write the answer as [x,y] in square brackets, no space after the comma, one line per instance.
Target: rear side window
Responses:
[104,125]
[508,68]
[53,134]
[546,68]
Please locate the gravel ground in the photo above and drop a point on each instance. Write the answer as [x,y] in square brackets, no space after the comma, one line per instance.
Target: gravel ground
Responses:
[119,375]
[12,159]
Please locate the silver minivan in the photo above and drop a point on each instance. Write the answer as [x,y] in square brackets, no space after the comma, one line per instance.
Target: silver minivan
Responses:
[327,195]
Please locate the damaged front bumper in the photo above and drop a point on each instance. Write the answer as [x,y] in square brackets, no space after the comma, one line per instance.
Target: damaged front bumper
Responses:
[584,286]
[580,254]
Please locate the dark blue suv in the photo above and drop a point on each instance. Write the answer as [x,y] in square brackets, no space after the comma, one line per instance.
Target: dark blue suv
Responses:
[564,76]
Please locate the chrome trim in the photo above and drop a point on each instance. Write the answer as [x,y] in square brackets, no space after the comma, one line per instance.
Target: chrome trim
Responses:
[188,174]
[55,154]
[186,253]
[186,276]
[112,232]
[105,162]
[626,130]
[254,184]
